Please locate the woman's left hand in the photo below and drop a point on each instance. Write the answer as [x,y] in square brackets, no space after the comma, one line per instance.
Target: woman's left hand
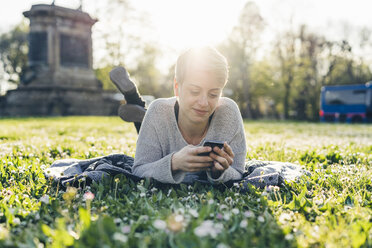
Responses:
[223,158]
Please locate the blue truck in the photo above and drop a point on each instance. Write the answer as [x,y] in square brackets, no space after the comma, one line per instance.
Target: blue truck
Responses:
[346,103]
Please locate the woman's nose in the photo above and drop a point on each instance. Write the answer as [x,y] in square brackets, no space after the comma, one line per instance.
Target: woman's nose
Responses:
[203,100]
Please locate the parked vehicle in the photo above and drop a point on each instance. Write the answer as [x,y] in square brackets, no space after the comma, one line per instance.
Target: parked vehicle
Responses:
[346,103]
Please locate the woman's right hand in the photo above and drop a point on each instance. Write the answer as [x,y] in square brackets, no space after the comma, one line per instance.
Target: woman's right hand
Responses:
[187,159]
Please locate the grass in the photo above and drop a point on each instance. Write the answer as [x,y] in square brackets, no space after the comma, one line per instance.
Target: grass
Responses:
[330,208]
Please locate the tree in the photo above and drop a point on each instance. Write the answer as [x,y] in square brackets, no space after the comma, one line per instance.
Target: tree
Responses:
[306,97]
[118,35]
[345,67]
[13,52]
[123,44]
[146,74]
[103,75]
[265,91]
[285,51]
[307,61]
[240,50]
[167,82]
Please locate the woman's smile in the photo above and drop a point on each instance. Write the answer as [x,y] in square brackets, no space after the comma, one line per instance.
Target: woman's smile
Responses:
[201,112]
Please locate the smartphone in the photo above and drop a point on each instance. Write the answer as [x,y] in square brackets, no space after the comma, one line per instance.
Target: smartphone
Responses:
[211,143]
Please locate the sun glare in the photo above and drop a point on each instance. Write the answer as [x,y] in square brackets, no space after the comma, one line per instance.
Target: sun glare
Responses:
[193,22]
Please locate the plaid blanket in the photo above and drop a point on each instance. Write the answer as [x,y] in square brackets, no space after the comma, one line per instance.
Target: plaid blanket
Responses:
[73,171]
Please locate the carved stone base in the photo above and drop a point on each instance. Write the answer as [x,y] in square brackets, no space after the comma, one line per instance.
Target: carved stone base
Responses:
[52,101]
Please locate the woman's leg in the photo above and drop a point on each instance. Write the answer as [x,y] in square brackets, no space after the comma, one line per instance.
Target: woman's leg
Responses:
[132,113]
[134,110]
[119,76]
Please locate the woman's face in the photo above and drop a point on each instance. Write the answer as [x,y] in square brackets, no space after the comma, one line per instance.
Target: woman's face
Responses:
[198,95]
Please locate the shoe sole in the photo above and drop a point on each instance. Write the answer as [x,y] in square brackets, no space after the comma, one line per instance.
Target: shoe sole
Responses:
[119,77]
[131,112]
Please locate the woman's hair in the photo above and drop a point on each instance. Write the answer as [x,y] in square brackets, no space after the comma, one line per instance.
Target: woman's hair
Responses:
[202,58]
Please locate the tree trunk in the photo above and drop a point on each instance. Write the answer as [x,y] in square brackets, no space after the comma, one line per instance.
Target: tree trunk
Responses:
[246,111]
[287,93]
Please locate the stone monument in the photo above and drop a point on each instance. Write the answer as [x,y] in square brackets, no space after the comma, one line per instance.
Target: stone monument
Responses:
[60,79]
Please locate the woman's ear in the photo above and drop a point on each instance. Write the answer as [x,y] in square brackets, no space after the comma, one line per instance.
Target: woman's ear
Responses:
[175,87]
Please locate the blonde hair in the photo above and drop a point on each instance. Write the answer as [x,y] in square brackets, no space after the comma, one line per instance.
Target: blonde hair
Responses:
[202,58]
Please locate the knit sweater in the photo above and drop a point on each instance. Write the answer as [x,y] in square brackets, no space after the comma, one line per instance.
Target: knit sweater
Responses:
[159,138]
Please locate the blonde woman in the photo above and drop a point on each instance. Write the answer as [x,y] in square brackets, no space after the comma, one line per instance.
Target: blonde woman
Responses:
[173,130]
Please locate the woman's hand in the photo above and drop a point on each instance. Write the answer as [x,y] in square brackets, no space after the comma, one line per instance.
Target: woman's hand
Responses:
[187,159]
[223,158]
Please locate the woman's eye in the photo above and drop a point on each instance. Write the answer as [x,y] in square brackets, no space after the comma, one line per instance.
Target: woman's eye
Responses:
[194,92]
[213,95]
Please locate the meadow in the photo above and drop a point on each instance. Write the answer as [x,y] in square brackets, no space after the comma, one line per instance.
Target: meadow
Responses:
[332,207]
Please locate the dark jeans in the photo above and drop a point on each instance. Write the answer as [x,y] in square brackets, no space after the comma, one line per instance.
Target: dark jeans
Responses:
[135,98]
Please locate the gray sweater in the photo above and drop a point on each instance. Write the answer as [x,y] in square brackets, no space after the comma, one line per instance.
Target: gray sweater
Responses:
[159,138]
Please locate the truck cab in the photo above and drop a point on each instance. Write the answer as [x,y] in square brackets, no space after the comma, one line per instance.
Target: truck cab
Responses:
[369,101]
[346,103]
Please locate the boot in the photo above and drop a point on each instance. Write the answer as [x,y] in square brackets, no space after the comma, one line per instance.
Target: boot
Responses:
[131,112]
[119,76]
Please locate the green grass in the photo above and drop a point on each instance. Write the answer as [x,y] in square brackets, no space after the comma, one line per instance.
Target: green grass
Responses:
[330,208]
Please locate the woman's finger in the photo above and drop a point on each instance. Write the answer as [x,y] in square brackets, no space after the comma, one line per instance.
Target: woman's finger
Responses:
[228,150]
[223,154]
[201,149]
[200,159]
[220,152]
[218,166]
[221,160]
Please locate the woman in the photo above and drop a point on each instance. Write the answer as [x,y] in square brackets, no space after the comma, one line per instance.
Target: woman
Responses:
[173,129]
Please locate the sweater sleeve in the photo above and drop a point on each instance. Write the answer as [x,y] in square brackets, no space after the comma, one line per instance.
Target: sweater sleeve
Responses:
[149,161]
[238,145]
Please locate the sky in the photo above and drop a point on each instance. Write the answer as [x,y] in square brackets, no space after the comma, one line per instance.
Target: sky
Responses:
[178,24]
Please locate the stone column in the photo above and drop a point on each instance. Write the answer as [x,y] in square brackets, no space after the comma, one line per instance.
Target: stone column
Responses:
[69,60]
[60,80]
